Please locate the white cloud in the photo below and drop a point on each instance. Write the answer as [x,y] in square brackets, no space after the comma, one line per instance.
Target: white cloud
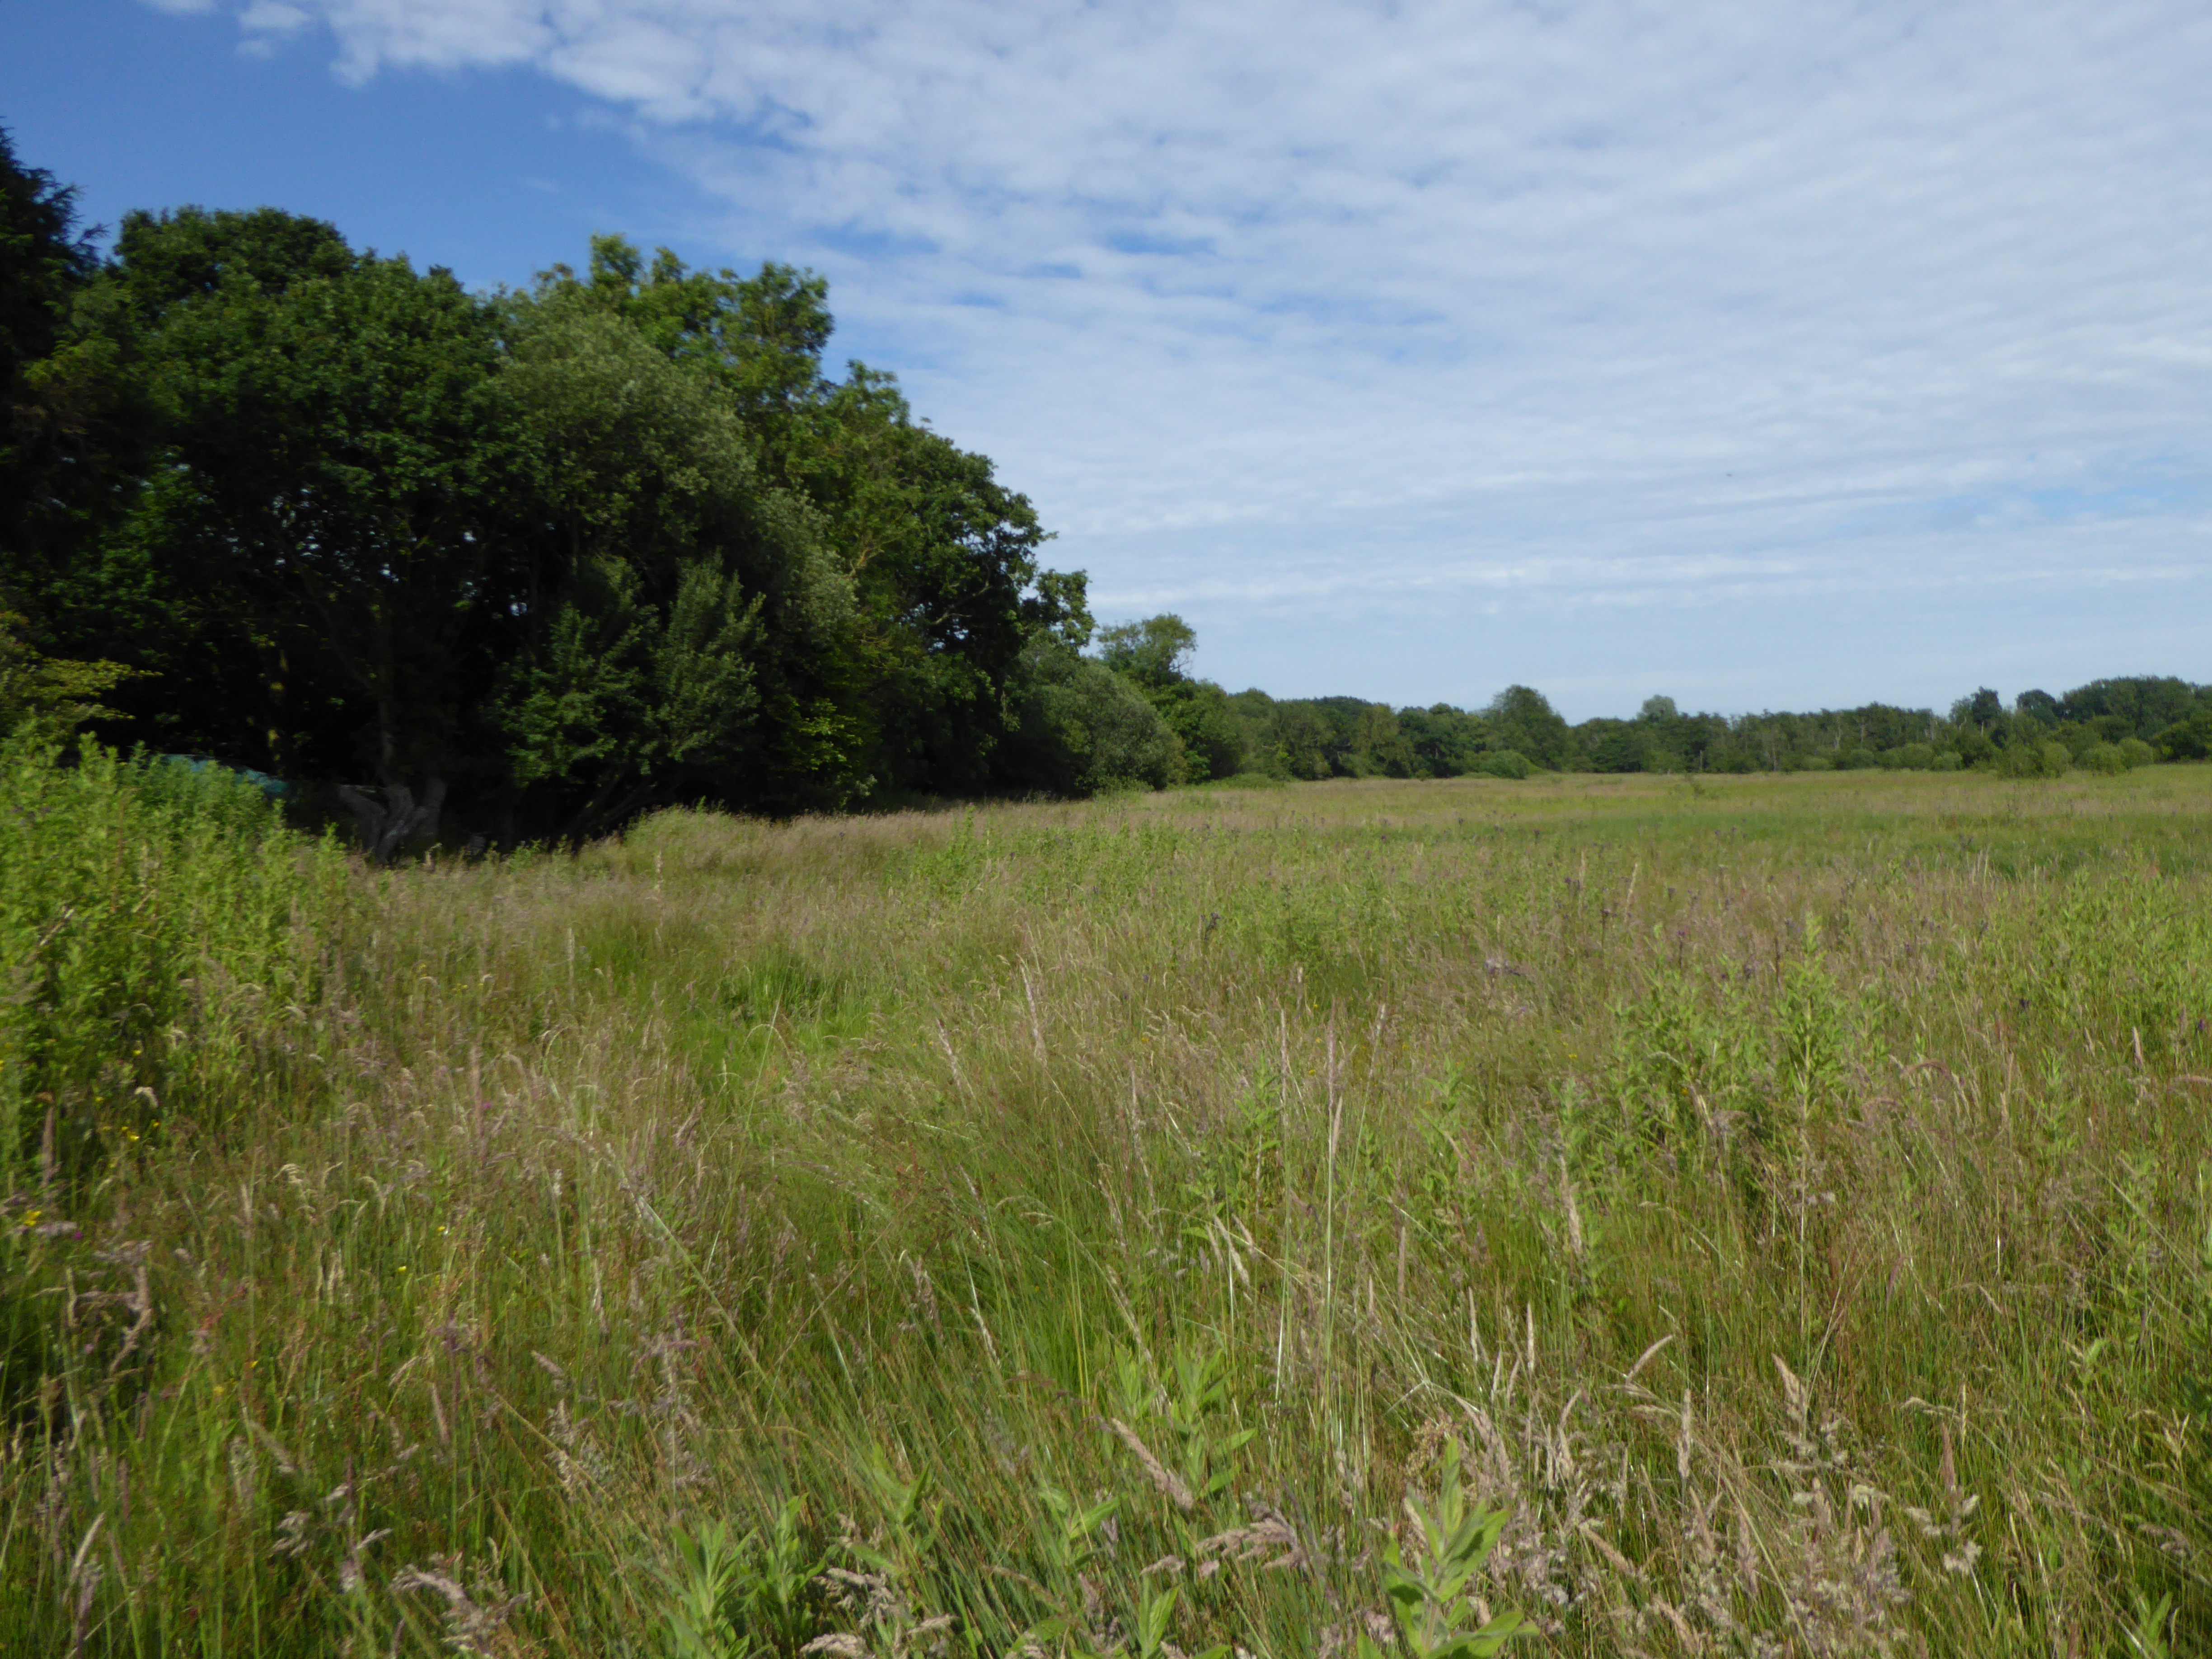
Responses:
[1384,313]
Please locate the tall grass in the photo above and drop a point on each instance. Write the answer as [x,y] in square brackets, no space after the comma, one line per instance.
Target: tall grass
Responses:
[1762,1218]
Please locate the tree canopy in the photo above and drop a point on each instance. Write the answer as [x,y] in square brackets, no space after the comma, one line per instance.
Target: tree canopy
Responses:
[540,559]
[531,562]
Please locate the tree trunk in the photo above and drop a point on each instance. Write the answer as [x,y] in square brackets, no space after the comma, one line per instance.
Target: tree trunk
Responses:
[389,825]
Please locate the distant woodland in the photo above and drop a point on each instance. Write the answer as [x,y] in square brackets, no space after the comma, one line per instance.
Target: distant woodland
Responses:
[524,564]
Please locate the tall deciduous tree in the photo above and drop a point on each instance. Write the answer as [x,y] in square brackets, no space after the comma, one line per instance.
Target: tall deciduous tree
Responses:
[943,561]
[64,409]
[343,510]
[1524,720]
[688,635]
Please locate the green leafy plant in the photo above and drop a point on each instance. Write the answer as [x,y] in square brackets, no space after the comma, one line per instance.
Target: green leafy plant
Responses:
[1193,1417]
[1066,1544]
[2148,1633]
[1431,1598]
[1156,1610]
[730,1596]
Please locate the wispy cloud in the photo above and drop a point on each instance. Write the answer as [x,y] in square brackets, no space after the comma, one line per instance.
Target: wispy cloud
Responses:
[1516,314]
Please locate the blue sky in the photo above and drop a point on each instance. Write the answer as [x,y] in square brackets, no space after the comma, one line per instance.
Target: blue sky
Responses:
[1759,356]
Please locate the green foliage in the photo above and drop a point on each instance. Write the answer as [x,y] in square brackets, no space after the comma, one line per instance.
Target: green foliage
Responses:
[2029,757]
[1814,1029]
[1213,737]
[65,420]
[1504,764]
[1154,653]
[946,588]
[1152,656]
[1617,746]
[155,927]
[2188,739]
[1081,728]
[1523,720]
[1432,1589]
[699,633]
[2103,757]
[54,693]
[1190,1410]
[730,1596]
[138,902]
[564,555]
[43,260]
[1444,742]
[332,598]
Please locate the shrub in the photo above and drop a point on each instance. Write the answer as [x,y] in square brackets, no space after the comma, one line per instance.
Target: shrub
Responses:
[1083,728]
[1504,764]
[2102,758]
[2135,752]
[1858,760]
[2025,757]
[1946,760]
[133,895]
[1910,758]
[155,929]
[2188,739]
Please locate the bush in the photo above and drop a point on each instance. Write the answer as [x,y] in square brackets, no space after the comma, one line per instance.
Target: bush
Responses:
[1858,760]
[1910,758]
[155,922]
[2135,752]
[1083,728]
[2188,739]
[2025,757]
[1947,760]
[1504,764]
[133,894]
[2102,758]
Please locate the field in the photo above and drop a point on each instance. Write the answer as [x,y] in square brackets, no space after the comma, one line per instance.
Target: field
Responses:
[1783,1204]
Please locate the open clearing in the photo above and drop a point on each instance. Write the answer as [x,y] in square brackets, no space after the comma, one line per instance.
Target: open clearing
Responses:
[1790,1195]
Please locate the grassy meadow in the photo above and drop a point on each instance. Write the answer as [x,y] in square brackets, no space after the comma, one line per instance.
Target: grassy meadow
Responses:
[1781,1205]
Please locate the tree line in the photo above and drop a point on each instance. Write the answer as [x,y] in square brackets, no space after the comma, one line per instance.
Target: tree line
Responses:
[1204,733]
[527,563]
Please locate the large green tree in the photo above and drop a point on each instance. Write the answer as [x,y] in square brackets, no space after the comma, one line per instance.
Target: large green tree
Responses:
[67,436]
[687,635]
[943,561]
[344,515]
[1154,656]
[1523,719]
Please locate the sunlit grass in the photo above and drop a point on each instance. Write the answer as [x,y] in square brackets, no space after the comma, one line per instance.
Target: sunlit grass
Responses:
[1789,1194]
